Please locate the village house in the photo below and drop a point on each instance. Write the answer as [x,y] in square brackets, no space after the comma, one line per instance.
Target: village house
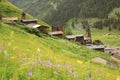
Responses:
[41,28]
[97,47]
[58,28]
[29,21]
[87,41]
[71,38]
[80,38]
[33,23]
[97,42]
[12,19]
[57,31]
[57,34]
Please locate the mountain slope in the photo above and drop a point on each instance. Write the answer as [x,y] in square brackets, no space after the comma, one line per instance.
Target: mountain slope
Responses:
[24,4]
[25,56]
[6,7]
[59,12]
[45,7]
[9,10]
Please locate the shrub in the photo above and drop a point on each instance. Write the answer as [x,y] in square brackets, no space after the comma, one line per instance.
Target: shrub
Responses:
[32,31]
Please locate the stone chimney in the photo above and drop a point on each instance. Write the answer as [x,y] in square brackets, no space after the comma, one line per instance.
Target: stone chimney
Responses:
[63,29]
[88,33]
[23,16]
[0,17]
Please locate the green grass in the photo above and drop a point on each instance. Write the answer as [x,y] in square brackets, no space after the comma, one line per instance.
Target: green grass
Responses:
[110,40]
[97,34]
[28,57]
[6,7]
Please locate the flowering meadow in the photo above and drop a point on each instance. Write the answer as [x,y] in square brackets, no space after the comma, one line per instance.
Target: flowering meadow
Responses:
[24,56]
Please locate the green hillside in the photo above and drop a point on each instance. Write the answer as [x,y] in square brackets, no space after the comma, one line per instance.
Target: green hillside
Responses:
[9,10]
[25,56]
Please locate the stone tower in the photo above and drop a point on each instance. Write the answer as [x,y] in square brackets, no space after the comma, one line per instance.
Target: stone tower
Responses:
[23,16]
[88,33]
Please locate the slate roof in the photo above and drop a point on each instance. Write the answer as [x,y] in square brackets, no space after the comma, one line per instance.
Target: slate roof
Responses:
[11,18]
[55,32]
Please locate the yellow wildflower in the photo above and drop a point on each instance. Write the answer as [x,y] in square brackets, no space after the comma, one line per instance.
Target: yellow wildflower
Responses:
[108,74]
[13,57]
[118,78]
[79,62]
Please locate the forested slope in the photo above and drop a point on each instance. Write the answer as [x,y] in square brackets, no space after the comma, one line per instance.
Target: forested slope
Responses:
[59,12]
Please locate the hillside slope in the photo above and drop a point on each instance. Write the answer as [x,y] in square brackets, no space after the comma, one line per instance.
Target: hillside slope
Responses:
[59,12]
[24,5]
[9,10]
[24,56]
[6,7]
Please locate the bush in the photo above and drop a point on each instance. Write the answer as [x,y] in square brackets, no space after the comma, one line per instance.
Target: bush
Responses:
[32,31]
[68,27]
[98,25]
[68,31]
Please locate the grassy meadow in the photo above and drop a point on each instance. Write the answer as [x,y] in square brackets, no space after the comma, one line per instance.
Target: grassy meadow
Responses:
[24,56]
[109,38]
